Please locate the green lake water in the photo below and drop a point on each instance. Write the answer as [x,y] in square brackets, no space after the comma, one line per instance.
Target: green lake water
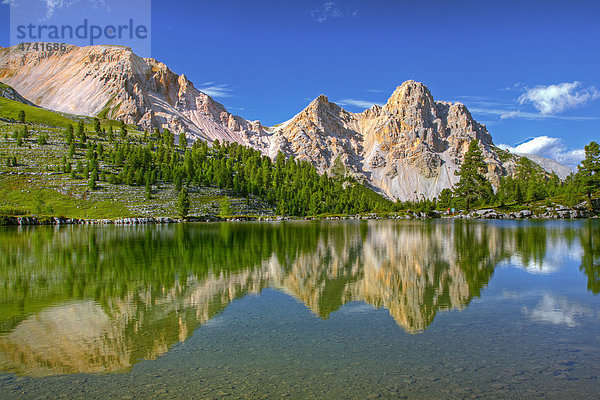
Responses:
[332,310]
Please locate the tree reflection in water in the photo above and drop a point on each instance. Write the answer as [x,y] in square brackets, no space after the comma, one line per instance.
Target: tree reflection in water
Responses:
[99,299]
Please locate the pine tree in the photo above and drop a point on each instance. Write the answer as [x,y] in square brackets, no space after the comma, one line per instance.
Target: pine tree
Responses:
[22,116]
[182,142]
[589,171]
[472,184]
[225,208]
[168,138]
[97,126]
[445,198]
[177,181]
[92,180]
[183,203]
[123,130]
[69,134]
[80,130]
[148,183]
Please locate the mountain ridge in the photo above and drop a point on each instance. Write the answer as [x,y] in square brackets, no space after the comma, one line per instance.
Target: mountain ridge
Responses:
[407,149]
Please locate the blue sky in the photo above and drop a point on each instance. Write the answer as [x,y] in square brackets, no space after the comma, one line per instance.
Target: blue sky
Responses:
[526,69]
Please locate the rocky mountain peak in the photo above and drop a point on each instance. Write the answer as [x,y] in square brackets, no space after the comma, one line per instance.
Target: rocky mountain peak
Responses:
[410,93]
[408,148]
[320,99]
[322,107]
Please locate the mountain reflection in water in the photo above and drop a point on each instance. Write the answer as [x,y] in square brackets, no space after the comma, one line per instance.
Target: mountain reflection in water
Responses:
[99,299]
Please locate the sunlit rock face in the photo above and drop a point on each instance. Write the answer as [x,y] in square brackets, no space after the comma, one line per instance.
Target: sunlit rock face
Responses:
[410,147]
[115,83]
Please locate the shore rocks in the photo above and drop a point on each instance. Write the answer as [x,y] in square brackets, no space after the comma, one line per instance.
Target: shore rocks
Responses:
[76,221]
[555,212]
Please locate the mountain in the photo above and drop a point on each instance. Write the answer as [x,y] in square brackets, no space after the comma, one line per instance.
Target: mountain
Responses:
[113,82]
[408,148]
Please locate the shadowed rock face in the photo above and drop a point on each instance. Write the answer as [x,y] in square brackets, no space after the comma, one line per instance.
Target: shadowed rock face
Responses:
[11,94]
[98,301]
[407,149]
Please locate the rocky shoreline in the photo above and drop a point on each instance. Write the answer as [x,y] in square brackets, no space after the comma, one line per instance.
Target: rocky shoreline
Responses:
[489,213]
[560,213]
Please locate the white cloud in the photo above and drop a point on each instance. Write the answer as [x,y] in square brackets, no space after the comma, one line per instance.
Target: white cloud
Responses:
[558,311]
[54,5]
[356,103]
[216,90]
[548,147]
[554,98]
[328,10]
[557,98]
[516,86]
[559,252]
[510,114]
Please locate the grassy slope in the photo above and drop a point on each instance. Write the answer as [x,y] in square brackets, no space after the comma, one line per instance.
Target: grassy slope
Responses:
[35,189]
[36,115]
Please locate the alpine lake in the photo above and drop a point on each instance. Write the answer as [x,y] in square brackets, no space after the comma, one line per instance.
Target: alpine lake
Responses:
[312,309]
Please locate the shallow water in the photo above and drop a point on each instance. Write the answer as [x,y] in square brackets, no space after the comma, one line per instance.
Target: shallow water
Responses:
[378,309]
